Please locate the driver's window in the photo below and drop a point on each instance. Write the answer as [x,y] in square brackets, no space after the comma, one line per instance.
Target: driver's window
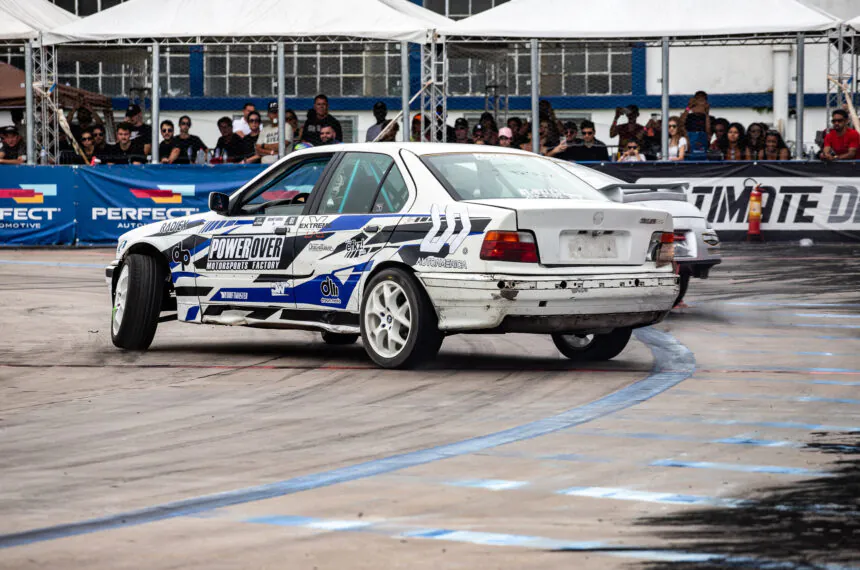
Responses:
[286,192]
[353,185]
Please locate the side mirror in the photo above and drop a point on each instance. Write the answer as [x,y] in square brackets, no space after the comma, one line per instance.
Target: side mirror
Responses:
[219,203]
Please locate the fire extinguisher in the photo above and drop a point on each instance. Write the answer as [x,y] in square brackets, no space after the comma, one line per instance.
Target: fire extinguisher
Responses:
[754,229]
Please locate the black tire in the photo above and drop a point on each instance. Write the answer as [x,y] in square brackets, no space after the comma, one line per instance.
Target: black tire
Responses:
[684,282]
[602,346]
[339,338]
[139,319]
[424,337]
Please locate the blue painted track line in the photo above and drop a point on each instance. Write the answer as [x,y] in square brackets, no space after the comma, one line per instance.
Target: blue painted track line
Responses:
[738,440]
[744,423]
[772,469]
[673,363]
[769,397]
[52,263]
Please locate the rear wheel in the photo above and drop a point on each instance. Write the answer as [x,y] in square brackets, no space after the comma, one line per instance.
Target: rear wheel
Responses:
[338,338]
[585,347]
[137,302]
[399,328]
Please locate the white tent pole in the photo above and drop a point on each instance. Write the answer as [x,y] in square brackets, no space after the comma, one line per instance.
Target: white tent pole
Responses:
[156,104]
[28,97]
[535,97]
[282,99]
[799,94]
[404,90]
[664,104]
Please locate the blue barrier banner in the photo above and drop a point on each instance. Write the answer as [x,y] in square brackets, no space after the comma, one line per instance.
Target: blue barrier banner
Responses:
[37,205]
[115,199]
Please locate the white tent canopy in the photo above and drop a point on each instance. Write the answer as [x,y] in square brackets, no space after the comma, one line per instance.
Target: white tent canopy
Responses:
[385,20]
[622,19]
[855,23]
[25,19]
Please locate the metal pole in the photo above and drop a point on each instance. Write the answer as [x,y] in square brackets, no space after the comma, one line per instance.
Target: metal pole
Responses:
[447,8]
[404,90]
[664,103]
[535,97]
[156,132]
[28,98]
[282,100]
[800,92]
[839,65]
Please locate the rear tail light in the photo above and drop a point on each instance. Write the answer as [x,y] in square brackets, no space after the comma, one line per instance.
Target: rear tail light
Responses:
[661,249]
[509,246]
[682,248]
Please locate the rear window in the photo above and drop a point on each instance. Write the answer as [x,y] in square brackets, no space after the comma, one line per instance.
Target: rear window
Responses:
[488,175]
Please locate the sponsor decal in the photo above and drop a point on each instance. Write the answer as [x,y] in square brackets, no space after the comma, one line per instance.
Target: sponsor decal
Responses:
[356,247]
[330,292]
[173,227]
[280,289]
[650,221]
[292,220]
[164,194]
[319,246]
[26,217]
[259,221]
[179,255]
[433,242]
[29,193]
[441,263]
[313,222]
[233,295]
[545,193]
[244,253]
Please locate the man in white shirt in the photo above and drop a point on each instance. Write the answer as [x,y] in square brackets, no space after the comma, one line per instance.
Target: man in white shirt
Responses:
[241,126]
[267,144]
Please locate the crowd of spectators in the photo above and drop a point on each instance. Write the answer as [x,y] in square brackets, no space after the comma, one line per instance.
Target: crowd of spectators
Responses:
[693,135]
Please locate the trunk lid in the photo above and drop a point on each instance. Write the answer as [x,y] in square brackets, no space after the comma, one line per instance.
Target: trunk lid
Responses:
[586,232]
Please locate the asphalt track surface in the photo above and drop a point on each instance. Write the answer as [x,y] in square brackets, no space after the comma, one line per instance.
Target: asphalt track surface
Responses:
[727,436]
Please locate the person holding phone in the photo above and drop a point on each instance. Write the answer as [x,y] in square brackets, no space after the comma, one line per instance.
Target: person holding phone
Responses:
[628,131]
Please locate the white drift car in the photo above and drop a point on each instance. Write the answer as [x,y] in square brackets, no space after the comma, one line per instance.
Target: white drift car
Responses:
[404,244]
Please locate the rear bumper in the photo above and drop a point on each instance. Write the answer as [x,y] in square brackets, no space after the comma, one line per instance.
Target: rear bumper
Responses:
[559,303]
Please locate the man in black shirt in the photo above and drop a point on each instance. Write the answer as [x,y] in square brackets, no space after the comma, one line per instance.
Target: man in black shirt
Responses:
[318,117]
[125,151]
[229,146]
[168,150]
[566,149]
[13,150]
[139,130]
[591,149]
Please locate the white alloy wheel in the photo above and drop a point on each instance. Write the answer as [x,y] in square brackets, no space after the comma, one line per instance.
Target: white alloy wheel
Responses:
[120,299]
[388,319]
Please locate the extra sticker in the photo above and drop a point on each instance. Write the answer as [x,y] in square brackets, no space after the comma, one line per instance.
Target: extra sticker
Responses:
[433,242]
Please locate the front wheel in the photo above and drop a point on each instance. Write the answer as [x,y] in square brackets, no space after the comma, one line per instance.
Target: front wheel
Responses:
[136,302]
[399,328]
[585,347]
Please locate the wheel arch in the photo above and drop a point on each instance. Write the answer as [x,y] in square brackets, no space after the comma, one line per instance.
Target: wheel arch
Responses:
[393,264]
[168,302]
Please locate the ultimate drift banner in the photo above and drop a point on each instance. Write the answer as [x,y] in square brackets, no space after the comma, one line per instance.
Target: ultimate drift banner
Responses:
[37,205]
[800,199]
[115,199]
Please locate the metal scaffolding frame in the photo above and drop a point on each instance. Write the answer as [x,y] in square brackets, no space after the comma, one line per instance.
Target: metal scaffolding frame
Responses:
[842,64]
[46,125]
[434,81]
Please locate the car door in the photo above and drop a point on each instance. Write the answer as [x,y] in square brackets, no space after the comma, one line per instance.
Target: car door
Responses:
[248,255]
[350,219]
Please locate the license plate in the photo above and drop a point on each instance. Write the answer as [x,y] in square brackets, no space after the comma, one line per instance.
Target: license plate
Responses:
[592,247]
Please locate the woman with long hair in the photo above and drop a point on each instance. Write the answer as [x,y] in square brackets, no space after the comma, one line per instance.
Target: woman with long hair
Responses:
[733,144]
[774,147]
[678,143]
[755,139]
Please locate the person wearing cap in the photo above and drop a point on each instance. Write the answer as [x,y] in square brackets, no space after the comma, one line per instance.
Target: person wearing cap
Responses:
[139,131]
[629,131]
[380,110]
[506,137]
[461,131]
[319,117]
[267,144]
[12,150]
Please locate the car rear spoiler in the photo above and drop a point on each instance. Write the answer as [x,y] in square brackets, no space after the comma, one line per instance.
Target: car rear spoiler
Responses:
[646,192]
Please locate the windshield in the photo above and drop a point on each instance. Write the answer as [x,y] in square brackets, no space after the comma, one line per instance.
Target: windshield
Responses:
[488,175]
